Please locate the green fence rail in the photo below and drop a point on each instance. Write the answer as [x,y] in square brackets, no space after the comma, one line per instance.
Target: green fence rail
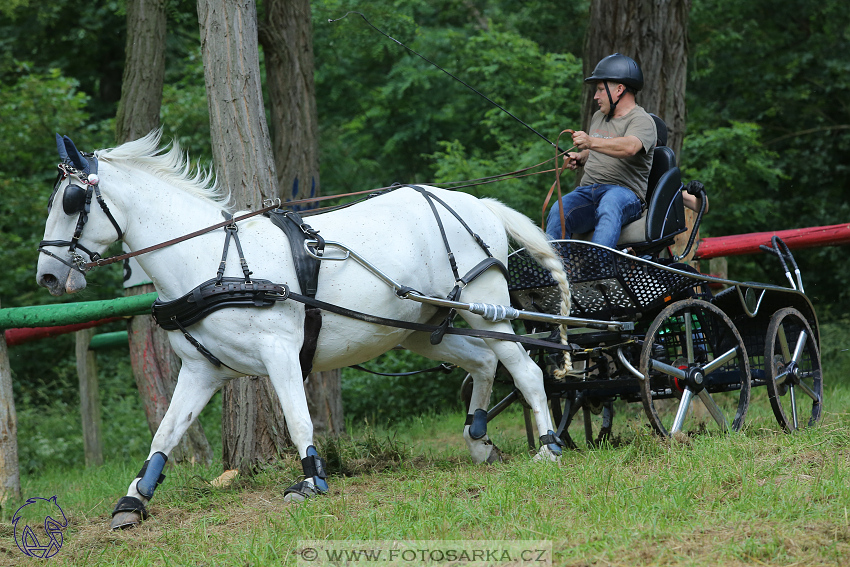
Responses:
[72,313]
[108,340]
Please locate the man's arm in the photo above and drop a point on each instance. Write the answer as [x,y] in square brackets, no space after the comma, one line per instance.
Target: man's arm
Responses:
[624,147]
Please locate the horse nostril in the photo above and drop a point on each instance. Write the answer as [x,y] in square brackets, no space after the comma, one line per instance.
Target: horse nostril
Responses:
[47,280]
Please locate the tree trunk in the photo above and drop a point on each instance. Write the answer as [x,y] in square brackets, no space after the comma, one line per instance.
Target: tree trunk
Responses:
[155,366]
[655,34]
[10,477]
[144,70]
[286,36]
[253,429]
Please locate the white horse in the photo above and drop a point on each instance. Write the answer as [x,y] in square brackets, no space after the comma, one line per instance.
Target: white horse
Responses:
[152,195]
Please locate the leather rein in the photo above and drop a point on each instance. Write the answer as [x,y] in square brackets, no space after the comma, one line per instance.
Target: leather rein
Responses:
[79,263]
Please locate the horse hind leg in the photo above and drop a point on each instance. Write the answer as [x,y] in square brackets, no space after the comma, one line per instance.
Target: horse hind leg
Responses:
[474,356]
[193,391]
[528,378]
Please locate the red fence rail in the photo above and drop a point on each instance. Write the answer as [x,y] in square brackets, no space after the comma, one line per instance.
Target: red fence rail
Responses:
[719,246]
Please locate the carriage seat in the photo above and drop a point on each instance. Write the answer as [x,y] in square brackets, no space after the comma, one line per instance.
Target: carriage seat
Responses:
[664,217]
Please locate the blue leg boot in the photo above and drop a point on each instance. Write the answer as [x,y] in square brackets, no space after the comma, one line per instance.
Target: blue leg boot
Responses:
[552,441]
[130,511]
[314,467]
[477,423]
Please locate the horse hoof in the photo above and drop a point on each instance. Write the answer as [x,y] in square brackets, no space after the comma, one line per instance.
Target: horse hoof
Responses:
[546,455]
[125,520]
[495,456]
[128,513]
[300,492]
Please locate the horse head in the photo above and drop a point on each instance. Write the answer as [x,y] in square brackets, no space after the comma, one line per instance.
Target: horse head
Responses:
[74,235]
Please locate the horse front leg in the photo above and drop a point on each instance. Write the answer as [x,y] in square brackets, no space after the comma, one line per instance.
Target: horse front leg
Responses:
[474,356]
[193,390]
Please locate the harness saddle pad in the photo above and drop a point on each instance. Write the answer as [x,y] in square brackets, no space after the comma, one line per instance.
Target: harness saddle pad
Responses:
[307,271]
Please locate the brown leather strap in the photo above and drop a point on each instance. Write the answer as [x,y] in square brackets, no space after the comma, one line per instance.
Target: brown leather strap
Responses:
[480,181]
[557,183]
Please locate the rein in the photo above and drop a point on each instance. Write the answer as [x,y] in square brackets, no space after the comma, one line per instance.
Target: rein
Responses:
[272,204]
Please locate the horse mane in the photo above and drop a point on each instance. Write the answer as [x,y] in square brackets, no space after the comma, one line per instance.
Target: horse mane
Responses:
[172,165]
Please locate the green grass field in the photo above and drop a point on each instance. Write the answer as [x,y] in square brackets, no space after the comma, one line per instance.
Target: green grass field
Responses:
[759,497]
[756,498]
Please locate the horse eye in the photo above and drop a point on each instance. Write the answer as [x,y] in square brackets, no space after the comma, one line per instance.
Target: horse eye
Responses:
[74,200]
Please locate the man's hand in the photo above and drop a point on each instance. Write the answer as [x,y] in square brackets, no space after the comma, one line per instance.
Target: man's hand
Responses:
[581,140]
[572,160]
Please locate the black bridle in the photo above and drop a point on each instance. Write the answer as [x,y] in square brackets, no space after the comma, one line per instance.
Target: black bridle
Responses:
[77,200]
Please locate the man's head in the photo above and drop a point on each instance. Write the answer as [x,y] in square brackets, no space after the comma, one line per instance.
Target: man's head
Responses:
[616,76]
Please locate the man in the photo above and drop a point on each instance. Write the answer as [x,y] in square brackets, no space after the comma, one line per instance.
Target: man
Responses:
[616,154]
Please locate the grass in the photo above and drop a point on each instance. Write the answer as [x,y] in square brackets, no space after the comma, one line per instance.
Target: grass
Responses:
[760,497]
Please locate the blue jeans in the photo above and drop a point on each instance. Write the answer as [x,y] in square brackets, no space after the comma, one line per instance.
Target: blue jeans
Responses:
[605,209]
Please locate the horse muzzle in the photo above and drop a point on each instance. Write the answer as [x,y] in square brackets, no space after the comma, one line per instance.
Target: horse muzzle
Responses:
[59,279]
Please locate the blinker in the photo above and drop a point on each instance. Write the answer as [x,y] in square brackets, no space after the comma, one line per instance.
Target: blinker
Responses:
[74,199]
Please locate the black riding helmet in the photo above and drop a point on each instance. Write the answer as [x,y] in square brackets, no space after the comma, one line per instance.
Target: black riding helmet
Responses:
[620,69]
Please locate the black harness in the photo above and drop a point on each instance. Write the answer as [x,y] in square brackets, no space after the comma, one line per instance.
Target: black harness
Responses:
[77,199]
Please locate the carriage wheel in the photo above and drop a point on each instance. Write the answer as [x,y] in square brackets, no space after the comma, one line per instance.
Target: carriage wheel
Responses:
[794,376]
[694,360]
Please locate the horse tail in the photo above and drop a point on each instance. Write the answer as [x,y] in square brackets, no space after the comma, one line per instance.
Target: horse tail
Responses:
[527,234]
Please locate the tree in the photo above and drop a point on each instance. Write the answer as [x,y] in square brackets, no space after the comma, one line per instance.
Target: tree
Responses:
[253,428]
[655,34]
[285,34]
[155,365]
[770,129]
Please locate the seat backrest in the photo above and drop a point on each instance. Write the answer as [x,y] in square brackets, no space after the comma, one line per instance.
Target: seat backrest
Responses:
[665,216]
[663,158]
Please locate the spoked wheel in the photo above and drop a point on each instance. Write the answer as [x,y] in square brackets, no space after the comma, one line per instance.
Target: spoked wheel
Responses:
[694,360]
[794,376]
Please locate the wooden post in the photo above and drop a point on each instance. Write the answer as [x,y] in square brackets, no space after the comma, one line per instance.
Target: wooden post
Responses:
[89,398]
[10,478]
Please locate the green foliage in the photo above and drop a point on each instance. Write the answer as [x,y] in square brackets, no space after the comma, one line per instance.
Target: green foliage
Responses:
[784,67]
[184,114]
[387,115]
[726,159]
[42,104]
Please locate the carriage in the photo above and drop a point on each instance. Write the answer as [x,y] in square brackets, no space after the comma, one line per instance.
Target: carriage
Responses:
[662,339]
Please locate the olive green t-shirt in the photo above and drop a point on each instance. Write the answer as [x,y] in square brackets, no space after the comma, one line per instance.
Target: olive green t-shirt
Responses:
[631,172]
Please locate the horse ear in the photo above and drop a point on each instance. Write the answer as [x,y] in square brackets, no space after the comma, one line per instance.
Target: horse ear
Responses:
[77,158]
[60,146]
